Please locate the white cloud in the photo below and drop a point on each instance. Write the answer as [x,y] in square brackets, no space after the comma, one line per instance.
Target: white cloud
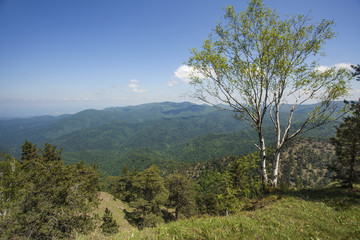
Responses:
[338,65]
[135,87]
[344,65]
[322,68]
[184,73]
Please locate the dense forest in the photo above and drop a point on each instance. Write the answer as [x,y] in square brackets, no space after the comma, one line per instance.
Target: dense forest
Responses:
[165,134]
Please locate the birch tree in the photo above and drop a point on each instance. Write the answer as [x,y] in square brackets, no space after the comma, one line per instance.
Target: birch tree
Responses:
[255,61]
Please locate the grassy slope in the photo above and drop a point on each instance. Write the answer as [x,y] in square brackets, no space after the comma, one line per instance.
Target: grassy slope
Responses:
[116,207]
[329,213]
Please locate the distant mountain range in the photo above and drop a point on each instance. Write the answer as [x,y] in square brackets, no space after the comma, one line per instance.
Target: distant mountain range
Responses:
[167,134]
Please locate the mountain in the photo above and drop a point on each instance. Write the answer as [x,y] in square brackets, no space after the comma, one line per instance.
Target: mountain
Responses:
[167,134]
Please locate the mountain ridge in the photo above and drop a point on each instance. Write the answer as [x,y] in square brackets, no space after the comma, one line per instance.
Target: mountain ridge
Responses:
[180,132]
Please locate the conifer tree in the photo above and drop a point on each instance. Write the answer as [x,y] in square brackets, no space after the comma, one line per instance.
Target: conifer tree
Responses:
[109,225]
[121,186]
[149,194]
[181,194]
[9,171]
[53,199]
[209,186]
[29,151]
[346,167]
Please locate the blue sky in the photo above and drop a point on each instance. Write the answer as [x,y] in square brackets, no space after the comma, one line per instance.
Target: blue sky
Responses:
[63,56]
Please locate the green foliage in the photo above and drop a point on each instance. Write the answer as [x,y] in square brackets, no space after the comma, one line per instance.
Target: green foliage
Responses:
[109,225]
[9,190]
[121,187]
[52,200]
[346,167]
[29,152]
[207,187]
[243,176]
[226,192]
[181,194]
[149,195]
[254,60]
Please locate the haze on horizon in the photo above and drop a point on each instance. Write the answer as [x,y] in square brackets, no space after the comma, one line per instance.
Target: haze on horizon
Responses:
[66,56]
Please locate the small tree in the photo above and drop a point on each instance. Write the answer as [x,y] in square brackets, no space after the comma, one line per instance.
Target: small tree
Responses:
[29,152]
[209,186]
[109,225]
[346,167]
[254,62]
[121,186]
[181,194]
[149,194]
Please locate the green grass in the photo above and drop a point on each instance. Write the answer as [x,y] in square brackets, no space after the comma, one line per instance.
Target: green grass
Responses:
[116,207]
[328,213]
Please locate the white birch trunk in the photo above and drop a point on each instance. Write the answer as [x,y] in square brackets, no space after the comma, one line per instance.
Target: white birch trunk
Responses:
[276,168]
[279,143]
[263,162]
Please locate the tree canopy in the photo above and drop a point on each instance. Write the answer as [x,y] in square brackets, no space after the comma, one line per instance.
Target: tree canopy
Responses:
[181,194]
[346,167]
[148,194]
[255,61]
[46,199]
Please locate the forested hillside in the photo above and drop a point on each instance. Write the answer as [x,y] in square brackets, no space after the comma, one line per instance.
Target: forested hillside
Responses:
[304,163]
[166,134]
